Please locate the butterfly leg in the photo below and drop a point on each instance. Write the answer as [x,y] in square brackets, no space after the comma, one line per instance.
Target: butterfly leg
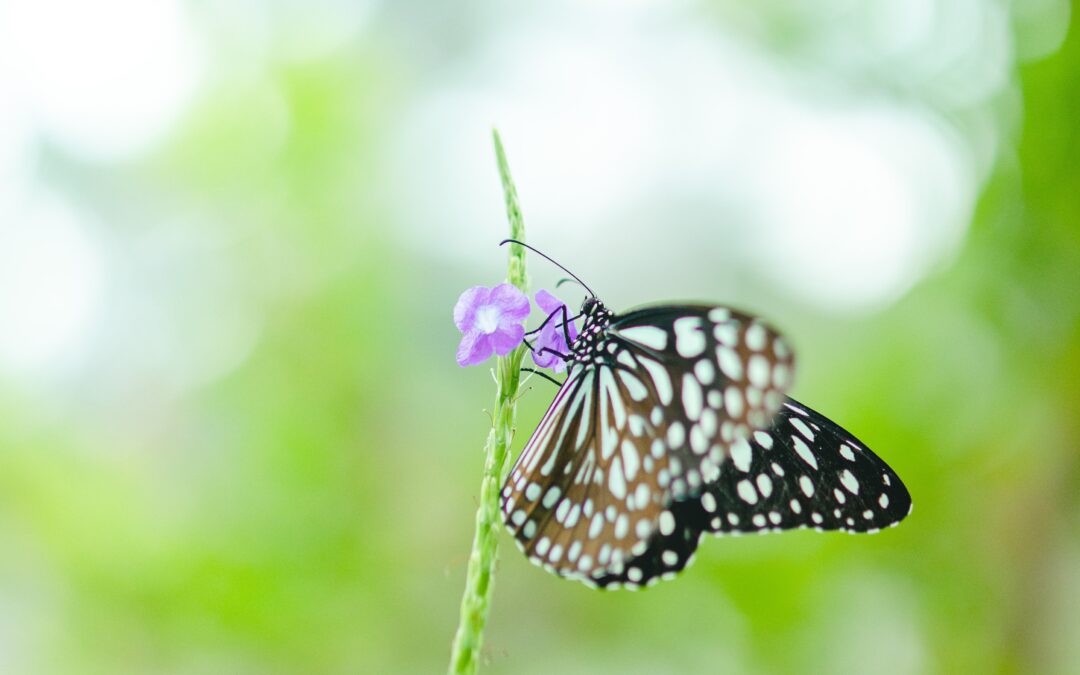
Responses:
[543,375]
[542,350]
[565,321]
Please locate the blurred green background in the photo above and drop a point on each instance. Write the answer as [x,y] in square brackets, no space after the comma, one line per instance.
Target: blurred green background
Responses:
[234,438]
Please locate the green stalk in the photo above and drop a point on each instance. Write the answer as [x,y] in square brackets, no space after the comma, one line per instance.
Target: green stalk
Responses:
[476,600]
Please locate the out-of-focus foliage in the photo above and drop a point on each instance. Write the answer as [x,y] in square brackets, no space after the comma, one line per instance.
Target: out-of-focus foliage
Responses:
[233,435]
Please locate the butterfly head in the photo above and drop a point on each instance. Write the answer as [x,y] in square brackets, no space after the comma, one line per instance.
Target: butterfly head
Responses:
[590,305]
[590,342]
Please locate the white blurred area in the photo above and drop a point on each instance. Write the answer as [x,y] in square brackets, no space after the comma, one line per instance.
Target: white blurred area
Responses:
[51,286]
[121,290]
[102,79]
[100,83]
[829,154]
[669,150]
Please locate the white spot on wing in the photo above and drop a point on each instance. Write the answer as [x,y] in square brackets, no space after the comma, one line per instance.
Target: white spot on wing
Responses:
[660,379]
[764,484]
[719,314]
[648,336]
[560,513]
[551,496]
[698,443]
[850,481]
[572,517]
[733,401]
[641,495]
[741,454]
[755,337]
[676,434]
[631,460]
[667,523]
[729,362]
[532,492]
[692,398]
[802,428]
[607,383]
[727,333]
[747,492]
[804,451]
[633,386]
[708,423]
[704,371]
[616,479]
[689,340]
[757,371]
[596,526]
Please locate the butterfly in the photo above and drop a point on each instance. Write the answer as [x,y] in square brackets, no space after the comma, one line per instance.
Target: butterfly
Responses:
[674,422]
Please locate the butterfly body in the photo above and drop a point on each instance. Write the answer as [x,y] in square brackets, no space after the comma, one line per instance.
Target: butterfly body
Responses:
[673,422]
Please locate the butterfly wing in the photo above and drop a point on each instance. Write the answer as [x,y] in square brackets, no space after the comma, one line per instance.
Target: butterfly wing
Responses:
[714,376]
[585,494]
[804,471]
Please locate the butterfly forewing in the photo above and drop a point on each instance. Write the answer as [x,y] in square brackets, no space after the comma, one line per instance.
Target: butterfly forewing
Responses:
[715,375]
[803,471]
[585,496]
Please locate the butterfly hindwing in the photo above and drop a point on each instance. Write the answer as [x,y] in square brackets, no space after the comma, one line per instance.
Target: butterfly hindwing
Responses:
[804,471]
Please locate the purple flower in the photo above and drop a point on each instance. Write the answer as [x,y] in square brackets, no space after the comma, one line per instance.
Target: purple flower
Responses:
[491,320]
[551,335]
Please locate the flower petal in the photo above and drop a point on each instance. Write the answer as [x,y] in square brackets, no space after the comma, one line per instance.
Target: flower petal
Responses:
[512,303]
[547,302]
[507,338]
[549,360]
[551,304]
[544,360]
[475,347]
[465,309]
[551,338]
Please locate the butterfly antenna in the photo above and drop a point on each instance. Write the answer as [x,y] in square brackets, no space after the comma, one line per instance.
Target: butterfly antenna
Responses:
[549,259]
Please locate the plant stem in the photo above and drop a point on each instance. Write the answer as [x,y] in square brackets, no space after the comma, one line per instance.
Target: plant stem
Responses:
[476,600]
